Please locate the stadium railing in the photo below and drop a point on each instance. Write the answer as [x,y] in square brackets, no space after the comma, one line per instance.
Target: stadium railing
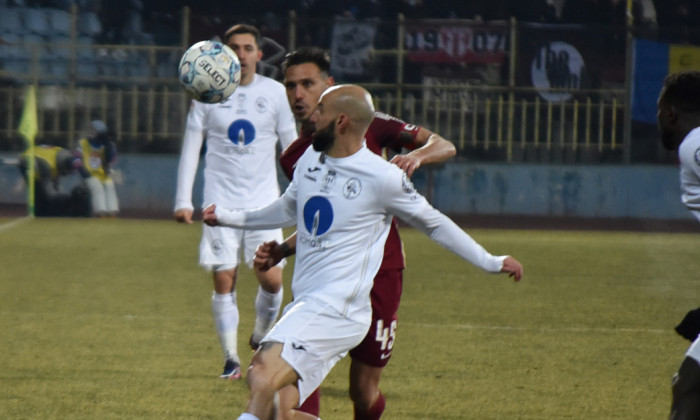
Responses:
[484,105]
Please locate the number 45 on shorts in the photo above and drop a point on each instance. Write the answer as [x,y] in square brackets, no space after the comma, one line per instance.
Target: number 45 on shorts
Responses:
[386,335]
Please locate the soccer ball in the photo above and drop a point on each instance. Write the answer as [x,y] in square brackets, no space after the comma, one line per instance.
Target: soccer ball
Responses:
[209,71]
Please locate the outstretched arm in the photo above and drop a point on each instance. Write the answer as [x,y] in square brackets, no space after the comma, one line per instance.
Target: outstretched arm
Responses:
[279,213]
[434,149]
[401,199]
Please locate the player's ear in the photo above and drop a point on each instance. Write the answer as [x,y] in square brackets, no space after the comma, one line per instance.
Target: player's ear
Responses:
[260,54]
[330,81]
[342,122]
[672,114]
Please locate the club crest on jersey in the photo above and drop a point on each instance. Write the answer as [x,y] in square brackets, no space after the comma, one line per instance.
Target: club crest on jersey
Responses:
[261,104]
[697,156]
[352,188]
[241,104]
[328,181]
[407,185]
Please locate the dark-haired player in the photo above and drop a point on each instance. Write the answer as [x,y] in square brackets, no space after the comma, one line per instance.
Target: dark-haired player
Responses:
[241,135]
[679,121]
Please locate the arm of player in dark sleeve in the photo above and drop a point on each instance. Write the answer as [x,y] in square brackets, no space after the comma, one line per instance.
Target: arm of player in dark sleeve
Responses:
[433,149]
[269,254]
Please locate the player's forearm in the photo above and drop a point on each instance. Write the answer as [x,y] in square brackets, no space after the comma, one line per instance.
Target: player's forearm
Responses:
[275,215]
[187,169]
[445,232]
[436,150]
[289,246]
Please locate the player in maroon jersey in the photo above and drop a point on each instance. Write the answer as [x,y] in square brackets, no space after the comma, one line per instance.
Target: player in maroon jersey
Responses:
[306,77]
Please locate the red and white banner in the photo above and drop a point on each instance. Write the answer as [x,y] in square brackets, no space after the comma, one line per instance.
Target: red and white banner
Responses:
[473,44]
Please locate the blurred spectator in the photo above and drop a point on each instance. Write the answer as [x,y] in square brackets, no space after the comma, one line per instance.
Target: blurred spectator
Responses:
[273,54]
[50,164]
[162,19]
[415,9]
[533,11]
[678,20]
[113,16]
[99,153]
[601,12]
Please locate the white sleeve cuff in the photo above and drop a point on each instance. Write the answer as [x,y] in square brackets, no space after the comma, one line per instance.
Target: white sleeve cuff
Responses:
[231,218]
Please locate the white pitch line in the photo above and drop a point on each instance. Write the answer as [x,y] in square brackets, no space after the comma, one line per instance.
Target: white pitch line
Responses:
[601,330]
[543,329]
[16,222]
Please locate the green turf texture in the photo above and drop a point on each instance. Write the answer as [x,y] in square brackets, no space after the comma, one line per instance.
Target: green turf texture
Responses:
[111,319]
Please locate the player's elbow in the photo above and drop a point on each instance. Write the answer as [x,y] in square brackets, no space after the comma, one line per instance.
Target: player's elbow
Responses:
[450,150]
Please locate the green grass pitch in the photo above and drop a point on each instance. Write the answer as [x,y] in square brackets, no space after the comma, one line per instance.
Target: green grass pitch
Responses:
[111,319]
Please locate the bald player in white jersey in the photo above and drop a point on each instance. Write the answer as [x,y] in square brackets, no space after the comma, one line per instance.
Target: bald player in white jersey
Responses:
[341,198]
[242,135]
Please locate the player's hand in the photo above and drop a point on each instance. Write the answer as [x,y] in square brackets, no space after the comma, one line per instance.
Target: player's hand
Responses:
[183,216]
[209,216]
[513,268]
[267,255]
[407,163]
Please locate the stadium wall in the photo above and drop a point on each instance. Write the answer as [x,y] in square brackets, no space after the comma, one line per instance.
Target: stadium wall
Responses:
[147,183]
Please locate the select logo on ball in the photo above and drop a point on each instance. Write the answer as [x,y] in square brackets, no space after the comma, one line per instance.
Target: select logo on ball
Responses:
[208,67]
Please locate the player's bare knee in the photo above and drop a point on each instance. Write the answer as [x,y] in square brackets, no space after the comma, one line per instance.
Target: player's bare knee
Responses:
[271,280]
[260,381]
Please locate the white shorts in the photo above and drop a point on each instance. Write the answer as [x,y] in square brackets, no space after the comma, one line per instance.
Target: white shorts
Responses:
[694,350]
[222,246]
[315,337]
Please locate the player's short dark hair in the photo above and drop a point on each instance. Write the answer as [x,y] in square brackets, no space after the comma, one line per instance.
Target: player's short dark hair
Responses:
[307,54]
[682,90]
[243,28]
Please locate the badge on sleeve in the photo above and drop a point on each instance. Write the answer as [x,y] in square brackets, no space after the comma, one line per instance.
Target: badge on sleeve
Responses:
[407,185]
[697,156]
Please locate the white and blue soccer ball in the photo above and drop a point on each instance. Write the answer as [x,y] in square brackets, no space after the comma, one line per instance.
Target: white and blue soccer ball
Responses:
[209,71]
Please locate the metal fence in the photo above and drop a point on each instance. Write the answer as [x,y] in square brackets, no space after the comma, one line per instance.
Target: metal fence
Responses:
[481,100]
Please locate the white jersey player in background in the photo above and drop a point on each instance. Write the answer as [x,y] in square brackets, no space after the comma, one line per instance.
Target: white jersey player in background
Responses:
[679,121]
[240,172]
[341,198]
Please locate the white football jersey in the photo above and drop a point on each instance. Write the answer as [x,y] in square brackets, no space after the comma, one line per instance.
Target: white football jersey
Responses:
[343,210]
[241,138]
[689,154]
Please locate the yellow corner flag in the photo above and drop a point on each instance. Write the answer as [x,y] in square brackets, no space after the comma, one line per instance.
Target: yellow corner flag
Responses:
[28,128]
[28,125]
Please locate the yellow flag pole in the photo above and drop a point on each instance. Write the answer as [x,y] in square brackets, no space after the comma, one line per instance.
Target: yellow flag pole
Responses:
[28,128]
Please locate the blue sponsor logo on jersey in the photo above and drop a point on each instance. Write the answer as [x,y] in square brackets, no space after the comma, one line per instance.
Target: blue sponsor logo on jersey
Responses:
[241,132]
[318,215]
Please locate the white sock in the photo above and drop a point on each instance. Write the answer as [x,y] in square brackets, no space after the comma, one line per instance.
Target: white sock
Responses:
[247,416]
[267,306]
[225,313]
